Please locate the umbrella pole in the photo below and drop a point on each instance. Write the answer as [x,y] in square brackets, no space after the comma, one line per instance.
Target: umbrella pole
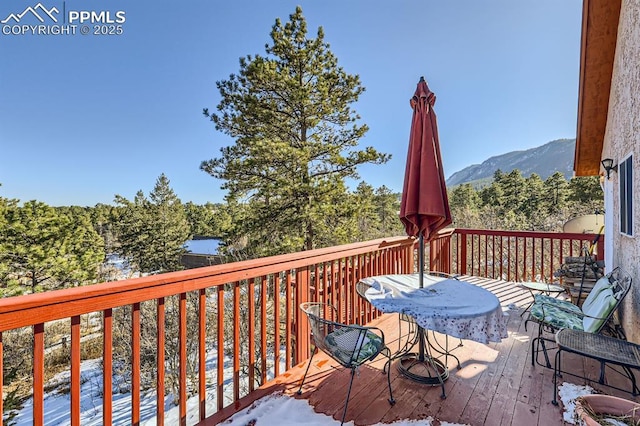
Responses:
[421,282]
[433,372]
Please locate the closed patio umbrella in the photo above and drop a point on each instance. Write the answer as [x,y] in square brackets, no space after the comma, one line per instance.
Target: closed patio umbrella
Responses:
[424,209]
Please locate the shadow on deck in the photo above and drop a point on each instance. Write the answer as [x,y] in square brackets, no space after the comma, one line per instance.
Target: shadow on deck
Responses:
[496,384]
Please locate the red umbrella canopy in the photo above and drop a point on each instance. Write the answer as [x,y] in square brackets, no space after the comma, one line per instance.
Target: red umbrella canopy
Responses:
[425,206]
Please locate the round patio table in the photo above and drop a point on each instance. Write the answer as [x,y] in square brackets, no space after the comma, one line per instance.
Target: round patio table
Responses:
[449,306]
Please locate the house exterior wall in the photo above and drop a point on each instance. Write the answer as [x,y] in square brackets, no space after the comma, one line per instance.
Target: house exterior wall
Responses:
[622,137]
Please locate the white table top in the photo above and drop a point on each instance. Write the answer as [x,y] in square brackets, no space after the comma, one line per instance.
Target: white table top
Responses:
[448,306]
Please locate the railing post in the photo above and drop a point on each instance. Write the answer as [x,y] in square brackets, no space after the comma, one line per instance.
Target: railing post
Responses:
[433,256]
[302,331]
[38,374]
[601,254]
[445,256]
[462,261]
[1,379]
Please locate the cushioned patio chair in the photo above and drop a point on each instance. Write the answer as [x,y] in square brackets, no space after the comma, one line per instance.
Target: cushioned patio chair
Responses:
[349,345]
[594,316]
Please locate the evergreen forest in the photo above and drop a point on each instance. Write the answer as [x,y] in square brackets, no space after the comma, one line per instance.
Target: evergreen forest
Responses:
[46,248]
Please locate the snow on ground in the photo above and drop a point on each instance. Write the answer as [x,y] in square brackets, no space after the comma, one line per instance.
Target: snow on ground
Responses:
[57,402]
[287,411]
[568,393]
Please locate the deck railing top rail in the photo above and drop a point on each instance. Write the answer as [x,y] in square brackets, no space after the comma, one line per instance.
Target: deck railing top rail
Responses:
[52,305]
[537,234]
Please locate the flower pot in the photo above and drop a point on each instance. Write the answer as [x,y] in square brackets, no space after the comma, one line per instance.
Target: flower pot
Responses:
[590,406]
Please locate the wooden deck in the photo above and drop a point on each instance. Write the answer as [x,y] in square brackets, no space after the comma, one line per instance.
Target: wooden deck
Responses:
[496,384]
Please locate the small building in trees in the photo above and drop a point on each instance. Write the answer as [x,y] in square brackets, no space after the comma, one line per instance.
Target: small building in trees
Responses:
[202,251]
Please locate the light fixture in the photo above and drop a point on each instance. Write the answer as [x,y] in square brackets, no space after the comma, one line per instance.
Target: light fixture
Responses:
[607,163]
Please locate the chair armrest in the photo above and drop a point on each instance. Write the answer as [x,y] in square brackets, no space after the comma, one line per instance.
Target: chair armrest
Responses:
[324,311]
[351,345]
[375,330]
[365,328]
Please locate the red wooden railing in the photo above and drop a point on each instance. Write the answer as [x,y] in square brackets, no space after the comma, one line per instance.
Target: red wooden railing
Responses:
[253,336]
[514,255]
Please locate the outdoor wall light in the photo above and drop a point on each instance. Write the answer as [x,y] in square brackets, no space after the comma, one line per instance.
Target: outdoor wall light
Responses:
[607,163]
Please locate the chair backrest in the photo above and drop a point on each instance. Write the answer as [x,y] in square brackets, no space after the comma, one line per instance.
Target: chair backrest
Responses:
[600,285]
[608,293]
[621,281]
[443,275]
[349,345]
[361,289]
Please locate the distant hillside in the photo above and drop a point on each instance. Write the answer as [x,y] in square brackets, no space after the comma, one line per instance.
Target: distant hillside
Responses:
[545,160]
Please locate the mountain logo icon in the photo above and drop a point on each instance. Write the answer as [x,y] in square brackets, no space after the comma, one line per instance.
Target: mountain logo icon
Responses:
[38,11]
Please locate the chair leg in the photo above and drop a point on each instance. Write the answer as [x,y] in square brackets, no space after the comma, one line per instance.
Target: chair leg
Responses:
[546,354]
[534,350]
[387,366]
[346,403]
[601,379]
[634,391]
[535,347]
[527,320]
[556,373]
[315,349]
[525,311]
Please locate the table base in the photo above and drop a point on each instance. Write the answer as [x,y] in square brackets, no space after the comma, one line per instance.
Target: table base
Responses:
[443,350]
[429,371]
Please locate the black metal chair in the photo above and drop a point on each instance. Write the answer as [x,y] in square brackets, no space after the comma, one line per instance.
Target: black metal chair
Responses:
[349,345]
[594,316]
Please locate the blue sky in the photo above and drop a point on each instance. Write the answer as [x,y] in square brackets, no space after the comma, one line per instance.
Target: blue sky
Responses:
[85,117]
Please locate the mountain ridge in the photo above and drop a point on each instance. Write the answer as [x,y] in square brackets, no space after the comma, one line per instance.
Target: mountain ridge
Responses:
[544,160]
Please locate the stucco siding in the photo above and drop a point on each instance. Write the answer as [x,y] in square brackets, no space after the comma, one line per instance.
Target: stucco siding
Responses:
[622,138]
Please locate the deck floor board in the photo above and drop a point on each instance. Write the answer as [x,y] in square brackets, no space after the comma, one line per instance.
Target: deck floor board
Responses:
[496,384]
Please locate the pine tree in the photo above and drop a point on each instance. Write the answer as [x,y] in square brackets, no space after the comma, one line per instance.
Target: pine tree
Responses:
[586,195]
[152,232]
[209,220]
[388,206]
[465,206]
[47,249]
[368,220]
[86,244]
[9,283]
[556,190]
[296,139]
